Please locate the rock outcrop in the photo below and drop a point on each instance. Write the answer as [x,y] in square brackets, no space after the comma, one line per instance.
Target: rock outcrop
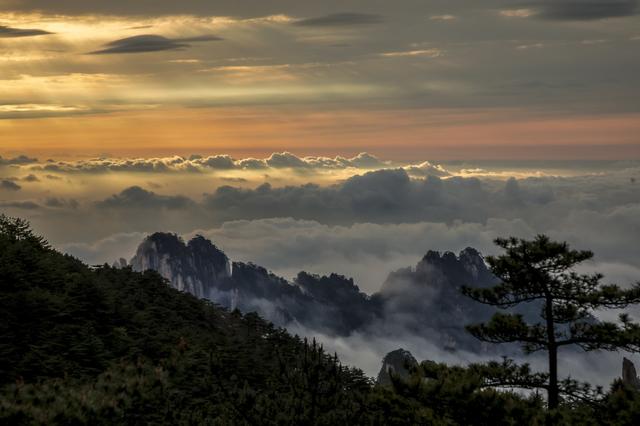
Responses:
[423,301]
[397,364]
[426,299]
[197,267]
[332,304]
[629,375]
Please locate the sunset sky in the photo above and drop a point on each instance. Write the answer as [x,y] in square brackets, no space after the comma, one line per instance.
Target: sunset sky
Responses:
[439,80]
[341,136]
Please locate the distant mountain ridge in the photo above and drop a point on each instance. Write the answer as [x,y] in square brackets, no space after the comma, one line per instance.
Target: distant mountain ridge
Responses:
[424,299]
[330,304]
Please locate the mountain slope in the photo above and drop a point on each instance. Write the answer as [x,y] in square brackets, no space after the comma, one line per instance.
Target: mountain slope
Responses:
[108,345]
[332,304]
[104,346]
[424,300]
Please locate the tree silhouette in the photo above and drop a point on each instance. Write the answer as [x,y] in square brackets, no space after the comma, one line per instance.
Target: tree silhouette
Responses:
[541,271]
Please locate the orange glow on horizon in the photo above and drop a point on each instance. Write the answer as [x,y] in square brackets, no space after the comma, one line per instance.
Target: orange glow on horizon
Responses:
[243,132]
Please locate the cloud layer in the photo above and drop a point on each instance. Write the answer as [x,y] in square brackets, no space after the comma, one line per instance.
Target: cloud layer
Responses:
[150,43]
[358,226]
[341,19]
[9,32]
[586,9]
[198,163]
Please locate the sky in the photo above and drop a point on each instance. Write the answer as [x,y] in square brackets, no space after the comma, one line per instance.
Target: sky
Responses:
[347,136]
[439,80]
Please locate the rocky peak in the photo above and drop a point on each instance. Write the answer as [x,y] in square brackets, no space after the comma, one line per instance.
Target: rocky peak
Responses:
[397,363]
[473,262]
[327,287]
[467,268]
[196,267]
[120,263]
[629,375]
[432,256]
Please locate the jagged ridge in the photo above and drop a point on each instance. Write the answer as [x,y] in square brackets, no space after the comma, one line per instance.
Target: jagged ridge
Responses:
[424,300]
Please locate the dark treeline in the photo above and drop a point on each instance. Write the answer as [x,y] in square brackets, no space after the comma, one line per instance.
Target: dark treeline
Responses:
[102,346]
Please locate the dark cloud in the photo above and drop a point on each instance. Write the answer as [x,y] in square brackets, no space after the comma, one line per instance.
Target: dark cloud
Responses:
[233,8]
[223,162]
[9,32]
[31,178]
[585,9]
[56,202]
[233,179]
[341,19]
[286,160]
[9,185]
[150,43]
[384,196]
[137,197]
[28,178]
[20,159]
[24,205]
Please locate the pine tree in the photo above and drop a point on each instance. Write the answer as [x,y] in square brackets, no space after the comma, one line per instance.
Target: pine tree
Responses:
[542,271]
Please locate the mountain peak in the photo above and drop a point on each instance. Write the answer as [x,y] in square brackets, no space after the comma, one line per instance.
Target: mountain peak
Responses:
[195,267]
[629,375]
[397,363]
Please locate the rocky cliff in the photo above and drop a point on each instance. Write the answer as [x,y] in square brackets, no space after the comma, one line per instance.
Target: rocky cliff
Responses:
[331,304]
[197,267]
[424,300]
[629,375]
[397,364]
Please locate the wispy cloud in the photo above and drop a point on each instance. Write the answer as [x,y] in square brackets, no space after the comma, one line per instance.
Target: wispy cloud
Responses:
[19,160]
[517,13]
[574,10]
[340,19]
[10,32]
[9,185]
[586,9]
[150,43]
[530,46]
[432,53]
[443,18]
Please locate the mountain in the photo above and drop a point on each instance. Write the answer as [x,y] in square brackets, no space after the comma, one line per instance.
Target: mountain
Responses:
[397,363]
[424,300]
[427,299]
[100,346]
[332,304]
[629,375]
[195,267]
[105,346]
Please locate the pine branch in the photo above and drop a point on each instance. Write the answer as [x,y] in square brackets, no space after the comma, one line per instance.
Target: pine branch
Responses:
[500,296]
[508,328]
[605,335]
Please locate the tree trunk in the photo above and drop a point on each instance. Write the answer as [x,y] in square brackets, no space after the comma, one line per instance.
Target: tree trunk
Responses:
[552,348]
[553,378]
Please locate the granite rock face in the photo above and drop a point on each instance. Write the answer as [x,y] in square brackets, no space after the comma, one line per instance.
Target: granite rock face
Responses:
[427,299]
[424,300]
[629,375]
[196,267]
[332,304]
[397,364]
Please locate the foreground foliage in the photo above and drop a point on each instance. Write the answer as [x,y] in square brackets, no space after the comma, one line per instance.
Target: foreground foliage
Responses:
[542,271]
[101,346]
